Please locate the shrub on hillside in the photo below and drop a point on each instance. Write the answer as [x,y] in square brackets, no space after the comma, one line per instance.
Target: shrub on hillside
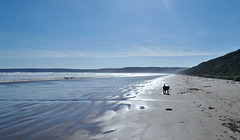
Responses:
[237,78]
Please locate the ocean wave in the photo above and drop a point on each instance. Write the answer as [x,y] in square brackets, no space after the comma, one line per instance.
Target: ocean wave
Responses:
[14,77]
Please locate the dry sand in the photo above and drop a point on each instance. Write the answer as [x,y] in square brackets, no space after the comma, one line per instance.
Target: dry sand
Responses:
[196,109]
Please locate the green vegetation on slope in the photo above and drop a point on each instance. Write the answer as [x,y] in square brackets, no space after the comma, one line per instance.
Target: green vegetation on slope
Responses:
[224,67]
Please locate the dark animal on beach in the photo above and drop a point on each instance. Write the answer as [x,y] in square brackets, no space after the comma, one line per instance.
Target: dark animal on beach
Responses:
[166,89]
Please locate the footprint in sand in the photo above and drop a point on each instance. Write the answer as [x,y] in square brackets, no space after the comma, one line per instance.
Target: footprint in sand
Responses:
[168,109]
[142,107]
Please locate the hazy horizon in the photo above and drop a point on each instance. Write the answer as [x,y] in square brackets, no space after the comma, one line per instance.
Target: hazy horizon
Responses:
[78,34]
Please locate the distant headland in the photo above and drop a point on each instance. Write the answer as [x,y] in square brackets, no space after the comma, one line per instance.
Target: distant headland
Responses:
[103,70]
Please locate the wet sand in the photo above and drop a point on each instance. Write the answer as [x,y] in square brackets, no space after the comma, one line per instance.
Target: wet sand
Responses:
[197,108]
[58,109]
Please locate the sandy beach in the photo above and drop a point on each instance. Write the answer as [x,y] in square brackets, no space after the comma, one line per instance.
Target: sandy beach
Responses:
[120,70]
[196,109]
[121,108]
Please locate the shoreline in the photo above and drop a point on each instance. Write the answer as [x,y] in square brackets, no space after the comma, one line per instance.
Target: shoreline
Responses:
[197,108]
[67,76]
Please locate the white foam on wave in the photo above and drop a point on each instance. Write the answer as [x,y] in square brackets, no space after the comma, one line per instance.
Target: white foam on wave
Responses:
[12,77]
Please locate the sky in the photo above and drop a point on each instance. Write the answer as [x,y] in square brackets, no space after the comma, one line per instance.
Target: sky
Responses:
[116,33]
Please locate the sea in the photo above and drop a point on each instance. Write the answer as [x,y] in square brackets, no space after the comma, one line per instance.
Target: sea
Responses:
[55,105]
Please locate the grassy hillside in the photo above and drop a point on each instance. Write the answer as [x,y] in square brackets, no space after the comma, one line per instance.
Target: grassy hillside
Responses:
[225,67]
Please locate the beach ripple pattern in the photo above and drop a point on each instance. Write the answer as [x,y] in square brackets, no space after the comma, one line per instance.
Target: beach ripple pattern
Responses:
[56,109]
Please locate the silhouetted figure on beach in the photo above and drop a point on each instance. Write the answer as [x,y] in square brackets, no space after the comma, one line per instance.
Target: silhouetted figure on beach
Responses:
[166,89]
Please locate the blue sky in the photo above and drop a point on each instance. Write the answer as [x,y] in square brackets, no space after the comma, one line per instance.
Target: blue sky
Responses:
[116,33]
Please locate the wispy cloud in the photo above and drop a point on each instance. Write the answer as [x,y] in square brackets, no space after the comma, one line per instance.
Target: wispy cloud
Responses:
[40,54]
[167,51]
[134,51]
